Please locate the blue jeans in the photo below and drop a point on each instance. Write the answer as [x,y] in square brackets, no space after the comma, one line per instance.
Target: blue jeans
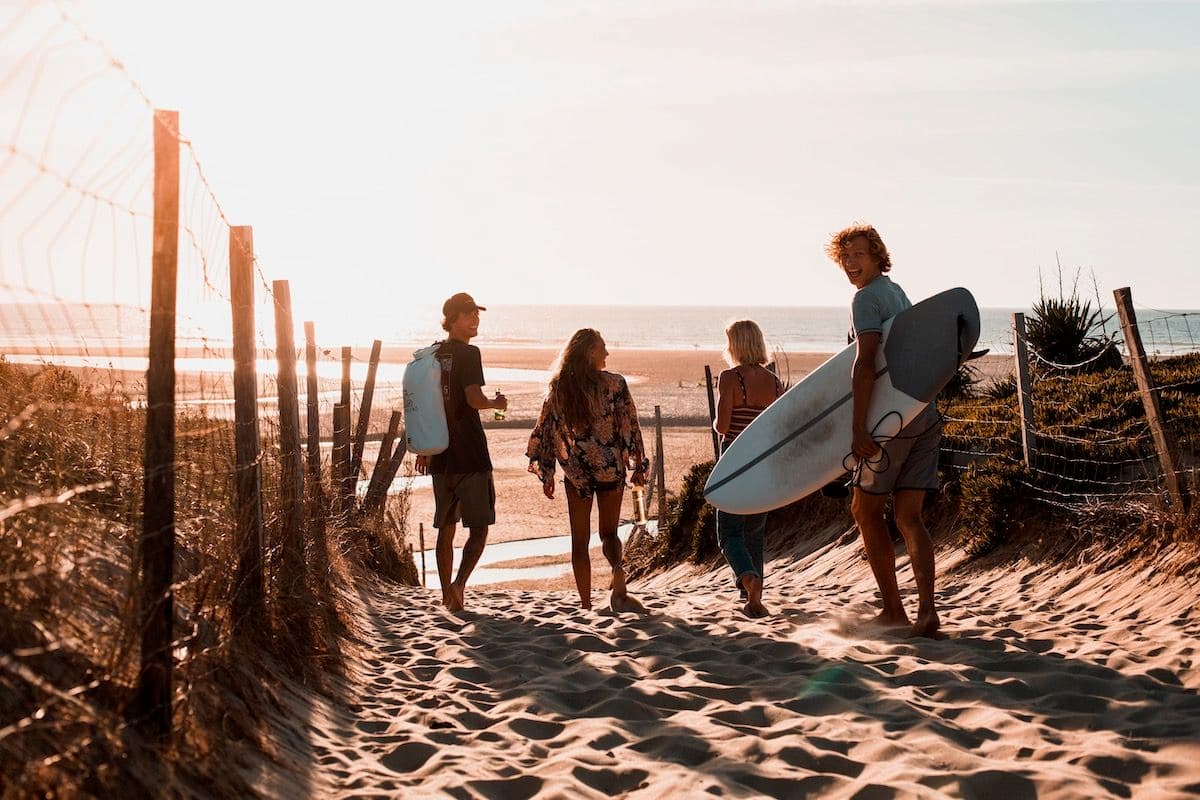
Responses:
[741,539]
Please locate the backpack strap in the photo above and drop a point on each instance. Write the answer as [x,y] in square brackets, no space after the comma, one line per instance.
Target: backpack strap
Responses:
[444,373]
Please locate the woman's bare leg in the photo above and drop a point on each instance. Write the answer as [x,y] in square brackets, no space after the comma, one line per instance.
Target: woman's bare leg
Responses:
[579,512]
[609,504]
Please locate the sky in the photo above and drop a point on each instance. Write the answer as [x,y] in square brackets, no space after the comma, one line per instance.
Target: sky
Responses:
[559,152]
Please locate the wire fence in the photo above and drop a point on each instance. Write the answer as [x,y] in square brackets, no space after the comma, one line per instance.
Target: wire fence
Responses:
[1092,441]
[77,239]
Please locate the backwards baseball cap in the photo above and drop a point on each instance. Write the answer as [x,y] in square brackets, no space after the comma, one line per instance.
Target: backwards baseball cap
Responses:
[460,303]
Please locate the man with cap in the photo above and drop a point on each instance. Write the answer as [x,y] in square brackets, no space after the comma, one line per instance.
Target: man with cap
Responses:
[463,488]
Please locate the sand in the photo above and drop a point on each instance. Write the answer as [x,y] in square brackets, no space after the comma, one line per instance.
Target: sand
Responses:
[1059,683]
[1052,681]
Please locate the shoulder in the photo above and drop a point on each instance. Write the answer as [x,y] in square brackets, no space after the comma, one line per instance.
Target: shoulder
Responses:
[864,296]
[469,352]
[614,380]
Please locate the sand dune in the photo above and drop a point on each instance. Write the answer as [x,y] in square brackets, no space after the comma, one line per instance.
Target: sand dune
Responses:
[1050,683]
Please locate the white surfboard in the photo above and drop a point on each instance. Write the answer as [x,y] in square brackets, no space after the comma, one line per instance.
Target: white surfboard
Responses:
[801,442]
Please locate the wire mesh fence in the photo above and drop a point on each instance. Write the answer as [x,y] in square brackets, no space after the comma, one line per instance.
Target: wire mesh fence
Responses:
[77,239]
[1092,440]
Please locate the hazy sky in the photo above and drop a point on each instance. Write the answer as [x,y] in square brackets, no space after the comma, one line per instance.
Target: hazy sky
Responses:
[684,152]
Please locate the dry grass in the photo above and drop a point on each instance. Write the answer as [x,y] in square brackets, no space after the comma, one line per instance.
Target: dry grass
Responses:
[69,639]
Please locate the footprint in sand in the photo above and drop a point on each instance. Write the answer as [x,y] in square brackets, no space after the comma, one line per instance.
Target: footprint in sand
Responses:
[408,757]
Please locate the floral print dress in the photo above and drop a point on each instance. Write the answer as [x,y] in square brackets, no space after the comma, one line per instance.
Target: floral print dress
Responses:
[599,455]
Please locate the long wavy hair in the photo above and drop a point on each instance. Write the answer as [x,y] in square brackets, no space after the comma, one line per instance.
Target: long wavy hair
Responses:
[575,387]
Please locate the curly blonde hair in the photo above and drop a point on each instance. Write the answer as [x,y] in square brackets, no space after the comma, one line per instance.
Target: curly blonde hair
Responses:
[838,243]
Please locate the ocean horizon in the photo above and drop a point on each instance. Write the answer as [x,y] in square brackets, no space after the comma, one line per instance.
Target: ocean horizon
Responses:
[105,328]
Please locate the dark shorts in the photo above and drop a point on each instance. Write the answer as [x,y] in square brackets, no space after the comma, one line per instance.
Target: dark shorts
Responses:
[909,461]
[592,487]
[470,497]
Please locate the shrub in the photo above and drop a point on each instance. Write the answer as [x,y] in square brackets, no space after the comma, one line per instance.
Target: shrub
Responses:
[1065,330]
[691,522]
[961,384]
[1001,388]
[994,500]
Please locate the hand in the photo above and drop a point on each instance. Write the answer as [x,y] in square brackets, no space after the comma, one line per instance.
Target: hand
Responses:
[548,489]
[638,478]
[422,465]
[863,445]
[500,402]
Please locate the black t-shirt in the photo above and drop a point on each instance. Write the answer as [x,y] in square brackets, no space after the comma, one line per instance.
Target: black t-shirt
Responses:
[468,450]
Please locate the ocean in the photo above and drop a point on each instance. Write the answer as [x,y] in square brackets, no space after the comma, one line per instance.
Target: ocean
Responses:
[804,329]
[98,329]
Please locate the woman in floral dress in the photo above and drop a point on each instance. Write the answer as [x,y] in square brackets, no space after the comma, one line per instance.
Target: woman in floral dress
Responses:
[589,425]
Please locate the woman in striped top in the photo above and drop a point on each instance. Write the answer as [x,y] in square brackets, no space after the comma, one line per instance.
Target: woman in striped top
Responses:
[744,390]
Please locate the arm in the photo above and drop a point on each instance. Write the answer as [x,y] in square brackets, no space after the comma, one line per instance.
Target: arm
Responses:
[540,450]
[479,401]
[863,383]
[724,402]
[631,431]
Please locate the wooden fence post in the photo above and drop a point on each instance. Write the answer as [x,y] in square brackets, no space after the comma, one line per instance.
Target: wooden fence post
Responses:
[1164,442]
[313,448]
[151,708]
[341,460]
[712,412]
[1024,388]
[421,533]
[650,484]
[662,470]
[389,475]
[291,484]
[382,462]
[347,357]
[248,595]
[364,410]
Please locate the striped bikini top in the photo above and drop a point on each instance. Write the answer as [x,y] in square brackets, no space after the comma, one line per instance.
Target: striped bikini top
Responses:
[742,415]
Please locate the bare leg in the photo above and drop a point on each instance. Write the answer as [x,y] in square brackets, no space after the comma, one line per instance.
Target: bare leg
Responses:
[445,563]
[754,587]
[579,512]
[609,504]
[920,553]
[472,550]
[753,532]
[868,514]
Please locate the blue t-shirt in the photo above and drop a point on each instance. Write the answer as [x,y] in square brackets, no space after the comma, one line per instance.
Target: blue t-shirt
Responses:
[875,303]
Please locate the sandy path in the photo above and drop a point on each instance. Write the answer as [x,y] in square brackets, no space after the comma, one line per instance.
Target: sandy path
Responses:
[1051,684]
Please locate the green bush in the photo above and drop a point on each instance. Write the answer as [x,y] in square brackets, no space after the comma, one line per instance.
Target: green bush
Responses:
[1066,330]
[995,497]
[691,522]
[961,384]
[1001,388]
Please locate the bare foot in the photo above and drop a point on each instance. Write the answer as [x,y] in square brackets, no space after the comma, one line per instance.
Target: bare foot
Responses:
[453,598]
[886,619]
[753,586]
[926,625]
[755,610]
[625,602]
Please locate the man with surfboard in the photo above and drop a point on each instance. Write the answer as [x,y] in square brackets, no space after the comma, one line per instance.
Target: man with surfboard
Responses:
[904,465]
[463,488]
